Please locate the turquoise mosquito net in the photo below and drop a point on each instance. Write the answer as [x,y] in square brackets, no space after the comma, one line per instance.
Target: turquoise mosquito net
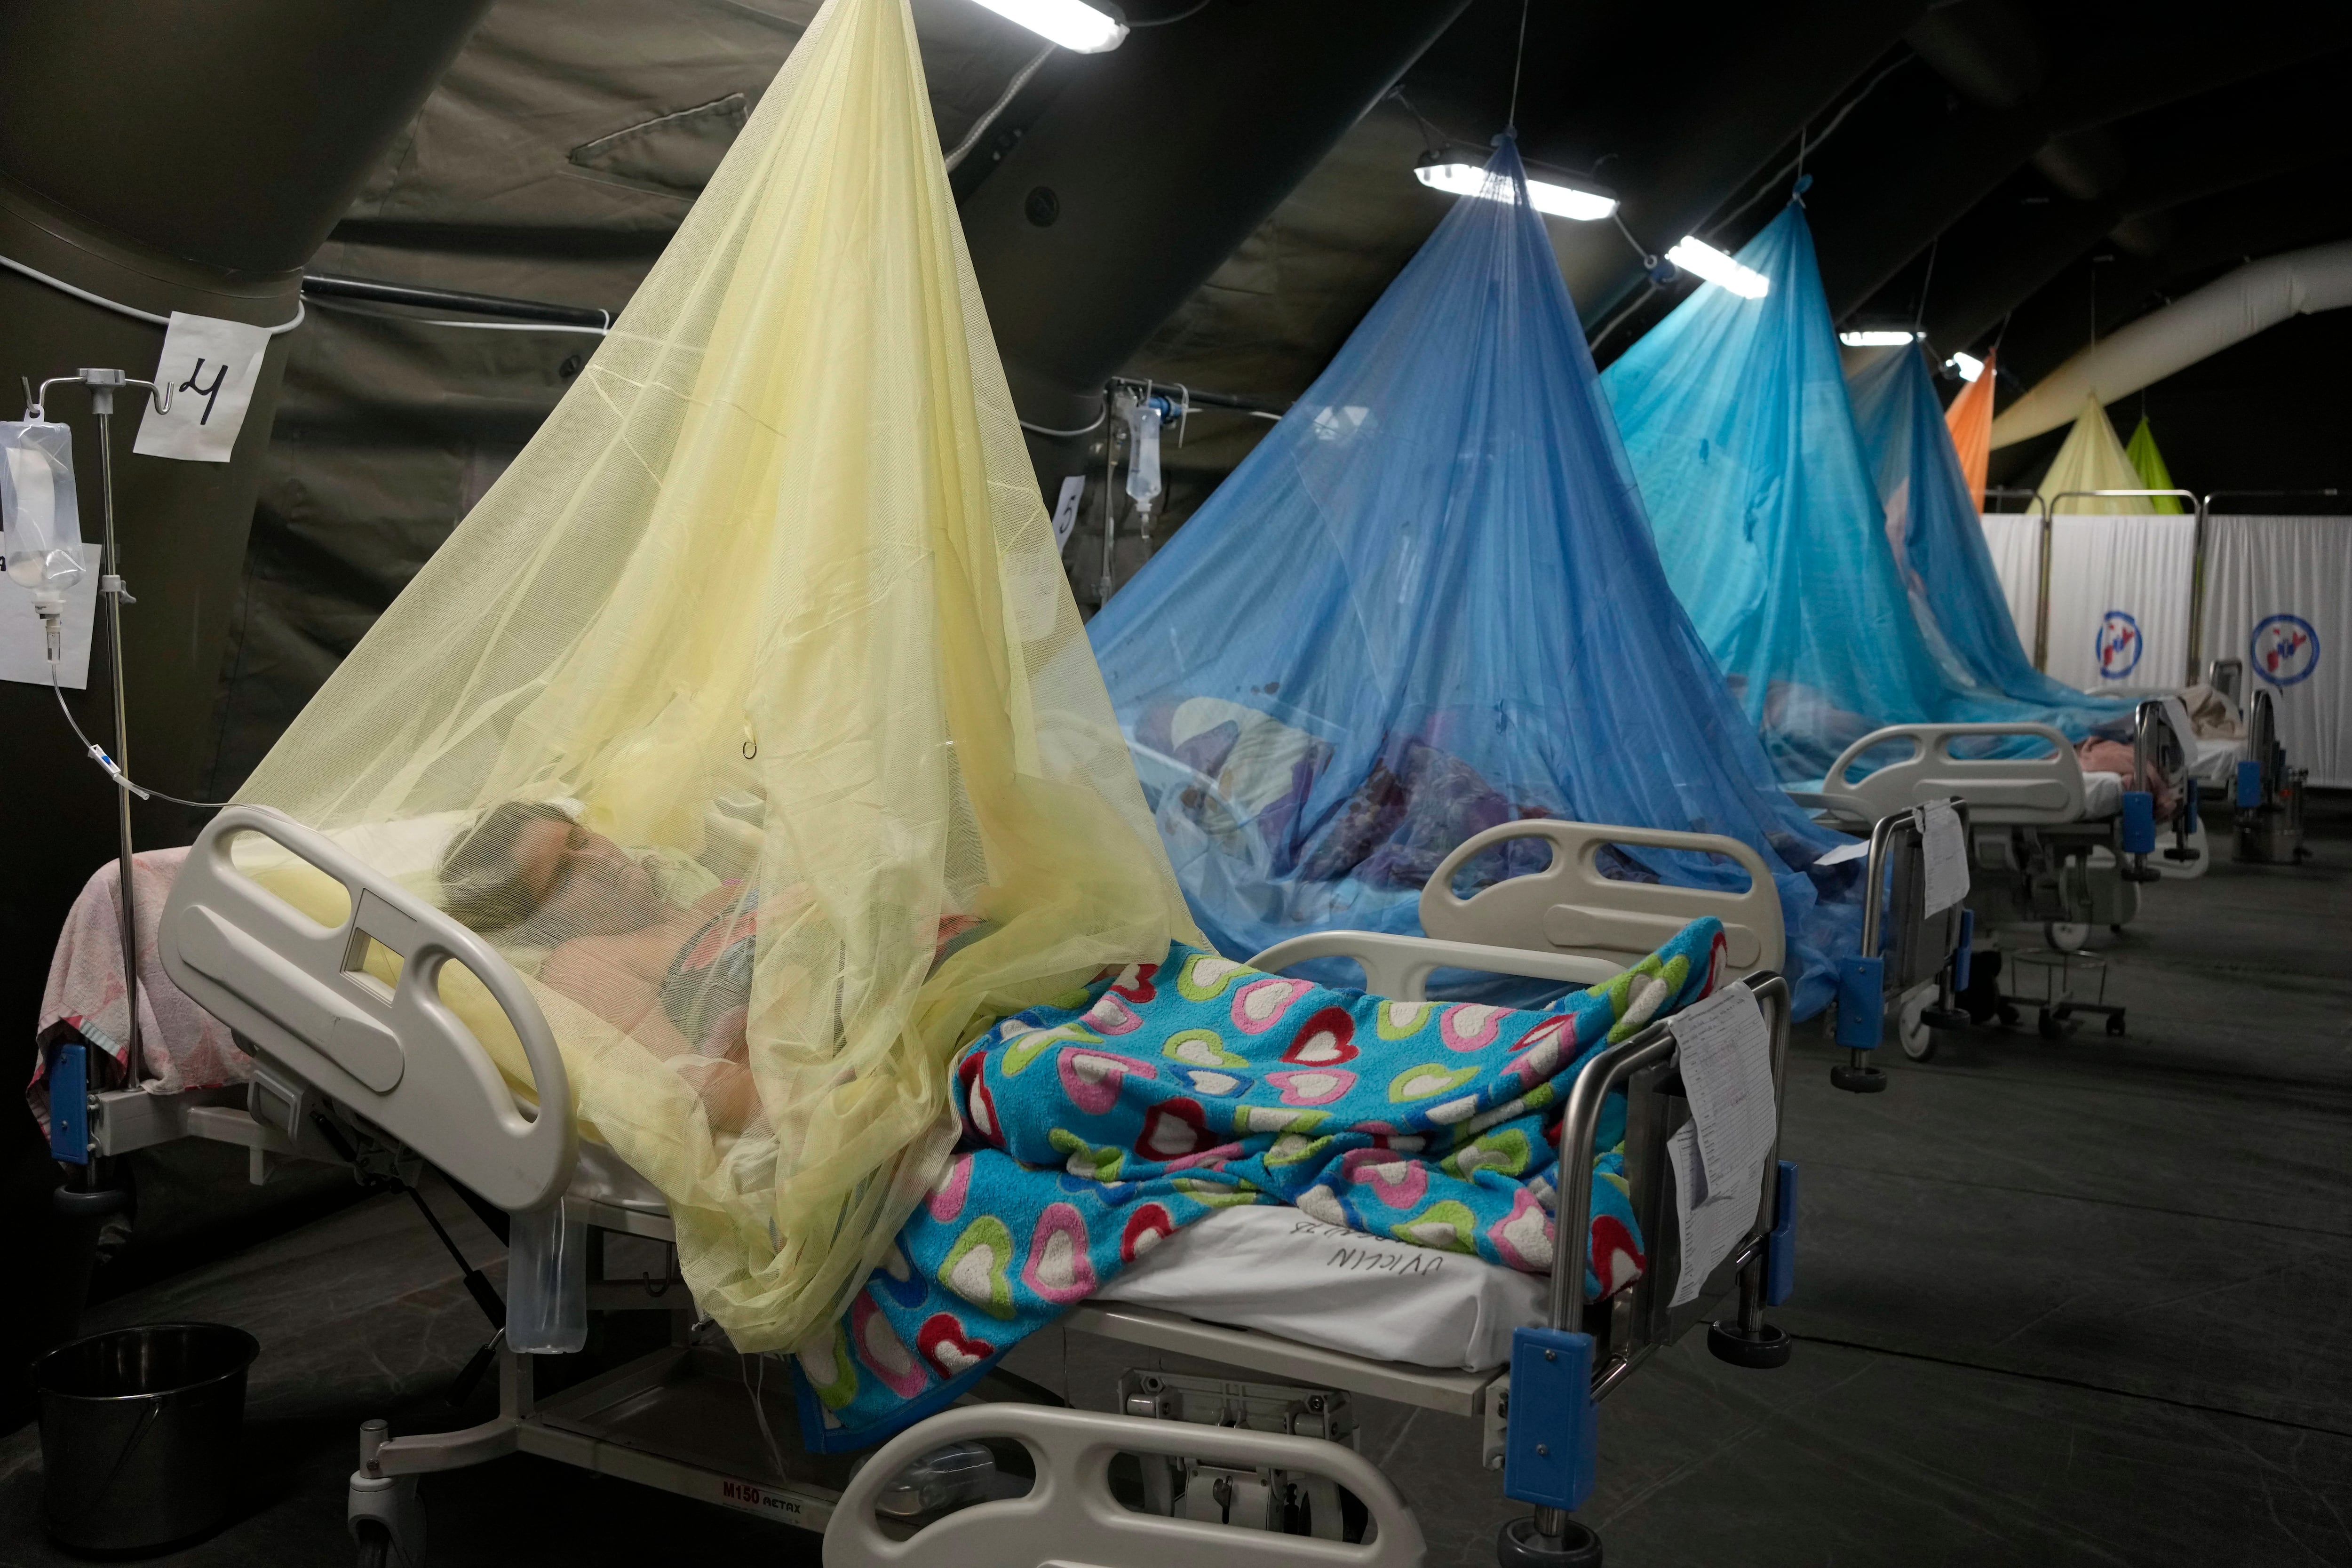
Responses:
[1734,414]
[1426,604]
[1932,525]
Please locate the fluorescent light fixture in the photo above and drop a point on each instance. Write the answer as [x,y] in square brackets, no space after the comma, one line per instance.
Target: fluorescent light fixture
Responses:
[1552,191]
[1073,23]
[1701,259]
[1872,337]
[1969,365]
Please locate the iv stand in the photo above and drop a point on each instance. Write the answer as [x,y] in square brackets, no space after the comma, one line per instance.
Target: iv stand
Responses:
[111,587]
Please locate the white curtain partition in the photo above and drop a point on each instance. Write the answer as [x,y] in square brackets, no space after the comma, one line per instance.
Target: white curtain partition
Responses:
[2278,595]
[2015,540]
[2119,598]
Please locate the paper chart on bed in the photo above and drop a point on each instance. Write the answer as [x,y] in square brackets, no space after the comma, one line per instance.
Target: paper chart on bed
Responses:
[1946,857]
[1725,1054]
[1711,1229]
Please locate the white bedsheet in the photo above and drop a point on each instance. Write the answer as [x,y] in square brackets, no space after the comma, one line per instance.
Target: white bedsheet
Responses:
[1277,1270]
[2102,796]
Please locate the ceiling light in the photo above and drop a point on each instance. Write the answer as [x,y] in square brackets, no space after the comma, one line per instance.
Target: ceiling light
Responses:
[1072,24]
[1969,365]
[1552,191]
[1875,339]
[1701,259]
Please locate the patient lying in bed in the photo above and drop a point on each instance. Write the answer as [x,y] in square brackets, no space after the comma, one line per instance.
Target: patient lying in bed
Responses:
[677,980]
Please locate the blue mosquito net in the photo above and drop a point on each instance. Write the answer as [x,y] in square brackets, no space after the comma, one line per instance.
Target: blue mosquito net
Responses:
[1428,603]
[1734,414]
[1931,522]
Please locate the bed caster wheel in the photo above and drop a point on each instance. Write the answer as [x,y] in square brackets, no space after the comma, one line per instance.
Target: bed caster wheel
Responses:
[2115,931]
[1759,1350]
[1858,1080]
[386,1519]
[2115,1024]
[2067,936]
[1518,1546]
[2010,1017]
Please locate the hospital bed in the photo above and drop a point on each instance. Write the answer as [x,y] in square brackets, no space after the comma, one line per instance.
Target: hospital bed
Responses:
[385,1079]
[2049,843]
[1906,957]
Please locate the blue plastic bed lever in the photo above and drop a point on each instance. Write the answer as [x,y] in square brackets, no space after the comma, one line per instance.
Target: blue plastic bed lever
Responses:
[1961,954]
[1780,1247]
[69,1104]
[2250,786]
[1552,1433]
[1861,1001]
[2140,821]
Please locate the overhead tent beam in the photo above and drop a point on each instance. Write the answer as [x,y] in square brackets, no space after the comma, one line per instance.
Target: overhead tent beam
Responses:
[1998,260]
[2252,300]
[1866,237]
[2281,214]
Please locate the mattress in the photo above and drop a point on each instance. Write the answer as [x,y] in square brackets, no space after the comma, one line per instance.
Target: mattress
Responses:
[1276,1270]
[1271,1268]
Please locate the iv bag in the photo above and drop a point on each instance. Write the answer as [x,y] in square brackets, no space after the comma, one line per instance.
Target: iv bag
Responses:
[38,521]
[1143,418]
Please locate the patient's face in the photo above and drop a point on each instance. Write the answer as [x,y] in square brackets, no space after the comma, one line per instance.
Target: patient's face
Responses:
[583,883]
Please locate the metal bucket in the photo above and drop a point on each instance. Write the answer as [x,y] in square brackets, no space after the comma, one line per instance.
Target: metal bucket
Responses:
[139,1434]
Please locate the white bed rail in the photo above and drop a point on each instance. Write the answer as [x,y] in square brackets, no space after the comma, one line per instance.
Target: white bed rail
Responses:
[1069,1515]
[397,1056]
[1997,790]
[1570,907]
[1399,967]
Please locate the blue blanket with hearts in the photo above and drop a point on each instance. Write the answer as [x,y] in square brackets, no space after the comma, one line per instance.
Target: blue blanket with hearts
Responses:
[1097,1125]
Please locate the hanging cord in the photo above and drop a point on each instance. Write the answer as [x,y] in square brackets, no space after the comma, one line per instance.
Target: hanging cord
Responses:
[1806,144]
[106,763]
[1919,316]
[1004,100]
[1511,120]
[1067,434]
[1624,314]
[120,309]
[1433,140]
[1171,21]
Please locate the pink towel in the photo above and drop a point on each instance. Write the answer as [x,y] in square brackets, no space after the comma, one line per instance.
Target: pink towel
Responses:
[183,1046]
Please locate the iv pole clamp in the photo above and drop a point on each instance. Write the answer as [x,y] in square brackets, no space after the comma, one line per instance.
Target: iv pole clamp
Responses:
[102,385]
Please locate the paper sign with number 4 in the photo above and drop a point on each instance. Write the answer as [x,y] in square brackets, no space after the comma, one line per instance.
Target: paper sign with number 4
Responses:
[211,367]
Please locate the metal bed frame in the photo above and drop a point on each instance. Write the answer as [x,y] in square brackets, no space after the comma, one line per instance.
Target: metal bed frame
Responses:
[386,1080]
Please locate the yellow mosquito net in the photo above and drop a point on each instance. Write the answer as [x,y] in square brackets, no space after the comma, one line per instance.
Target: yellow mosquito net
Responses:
[2092,460]
[750,713]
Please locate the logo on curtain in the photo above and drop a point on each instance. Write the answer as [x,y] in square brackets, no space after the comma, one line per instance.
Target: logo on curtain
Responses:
[2284,650]
[2119,645]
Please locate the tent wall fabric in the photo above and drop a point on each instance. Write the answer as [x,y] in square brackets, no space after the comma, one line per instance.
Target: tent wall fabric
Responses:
[1735,416]
[2119,601]
[2093,460]
[1969,419]
[2148,464]
[1426,604]
[2278,595]
[750,713]
[1936,533]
